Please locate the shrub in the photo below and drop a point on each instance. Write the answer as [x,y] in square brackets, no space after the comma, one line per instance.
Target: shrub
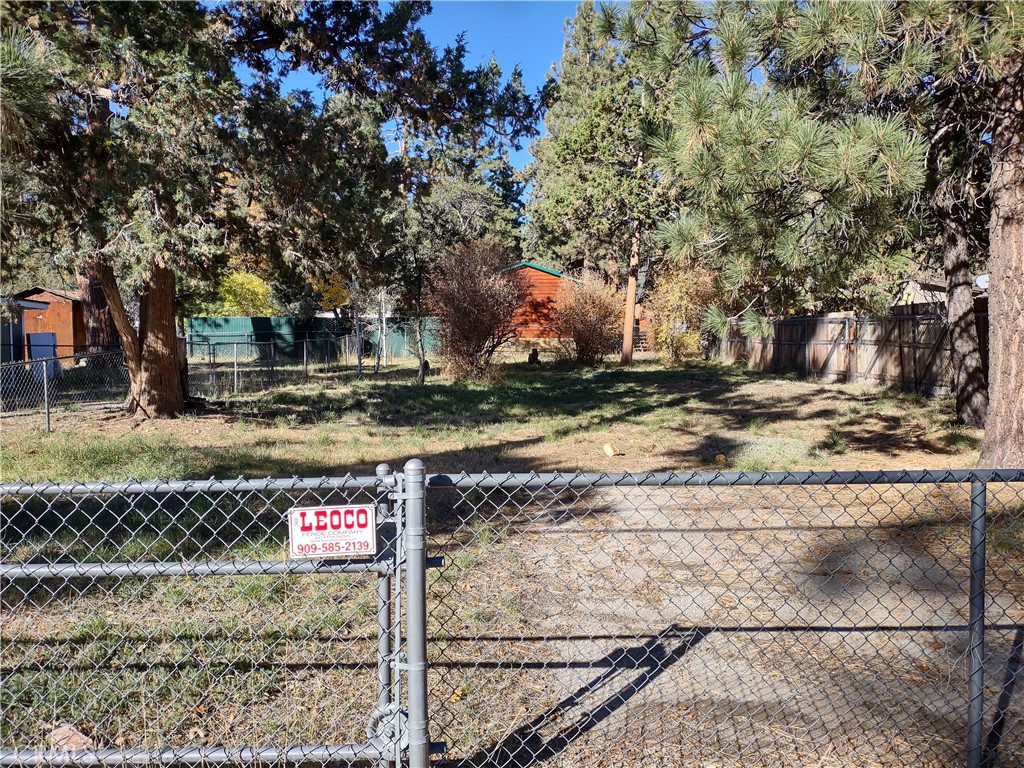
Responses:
[588,318]
[674,310]
[474,302]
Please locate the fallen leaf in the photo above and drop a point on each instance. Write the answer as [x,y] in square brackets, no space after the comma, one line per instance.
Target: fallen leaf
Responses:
[67,737]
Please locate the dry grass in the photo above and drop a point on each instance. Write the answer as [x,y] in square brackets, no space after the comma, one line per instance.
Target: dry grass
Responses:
[571,629]
[552,419]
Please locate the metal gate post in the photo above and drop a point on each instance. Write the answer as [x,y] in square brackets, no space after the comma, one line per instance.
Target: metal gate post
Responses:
[976,652]
[416,611]
[235,368]
[384,659]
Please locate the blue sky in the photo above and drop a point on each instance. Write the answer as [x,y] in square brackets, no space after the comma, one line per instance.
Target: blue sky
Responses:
[529,34]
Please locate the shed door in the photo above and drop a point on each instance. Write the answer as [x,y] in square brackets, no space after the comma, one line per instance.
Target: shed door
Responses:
[40,347]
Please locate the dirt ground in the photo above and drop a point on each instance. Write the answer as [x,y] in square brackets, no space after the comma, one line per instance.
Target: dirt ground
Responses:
[650,418]
[605,626]
[722,627]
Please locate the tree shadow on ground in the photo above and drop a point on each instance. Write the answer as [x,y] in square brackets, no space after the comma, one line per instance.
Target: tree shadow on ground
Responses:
[707,405]
[396,400]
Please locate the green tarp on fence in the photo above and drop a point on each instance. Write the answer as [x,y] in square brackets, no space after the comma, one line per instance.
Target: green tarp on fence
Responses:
[288,333]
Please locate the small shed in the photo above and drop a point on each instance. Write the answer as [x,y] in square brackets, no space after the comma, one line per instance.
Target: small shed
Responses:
[62,316]
[535,318]
[12,327]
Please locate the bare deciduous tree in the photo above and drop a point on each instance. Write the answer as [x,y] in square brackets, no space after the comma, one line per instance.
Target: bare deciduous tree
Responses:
[475,301]
[588,317]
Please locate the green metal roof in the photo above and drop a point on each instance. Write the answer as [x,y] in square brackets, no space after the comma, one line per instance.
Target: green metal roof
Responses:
[535,266]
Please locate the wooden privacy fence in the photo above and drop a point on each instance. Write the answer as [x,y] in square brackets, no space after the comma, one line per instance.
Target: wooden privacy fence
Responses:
[908,351]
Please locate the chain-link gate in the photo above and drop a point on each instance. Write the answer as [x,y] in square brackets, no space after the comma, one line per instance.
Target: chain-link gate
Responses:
[163,623]
[728,619]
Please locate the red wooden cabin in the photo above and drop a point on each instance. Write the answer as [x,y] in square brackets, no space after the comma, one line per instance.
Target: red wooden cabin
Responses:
[535,318]
[63,316]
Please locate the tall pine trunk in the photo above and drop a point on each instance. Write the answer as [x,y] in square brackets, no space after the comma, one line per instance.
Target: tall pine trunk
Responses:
[151,353]
[629,317]
[1003,445]
[969,383]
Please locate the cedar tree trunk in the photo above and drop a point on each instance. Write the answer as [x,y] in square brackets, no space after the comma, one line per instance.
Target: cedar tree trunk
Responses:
[630,313]
[100,332]
[968,368]
[1003,445]
[151,354]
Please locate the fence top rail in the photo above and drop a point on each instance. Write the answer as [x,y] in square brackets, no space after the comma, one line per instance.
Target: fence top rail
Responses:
[71,356]
[213,485]
[525,479]
[834,477]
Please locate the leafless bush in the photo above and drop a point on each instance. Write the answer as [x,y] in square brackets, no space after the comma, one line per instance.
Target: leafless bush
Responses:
[475,302]
[588,317]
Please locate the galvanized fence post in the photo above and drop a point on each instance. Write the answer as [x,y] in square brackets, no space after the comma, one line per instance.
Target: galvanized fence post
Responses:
[235,368]
[46,392]
[305,360]
[384,652]
[212,350]
[976,642]
[416,612]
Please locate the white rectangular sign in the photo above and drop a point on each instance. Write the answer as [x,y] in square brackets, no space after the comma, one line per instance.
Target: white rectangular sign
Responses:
[332,532]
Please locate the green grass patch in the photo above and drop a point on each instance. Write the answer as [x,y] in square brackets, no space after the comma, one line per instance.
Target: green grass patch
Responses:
[959,439]
[87,457]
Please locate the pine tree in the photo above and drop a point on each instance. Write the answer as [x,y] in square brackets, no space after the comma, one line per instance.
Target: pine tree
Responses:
[793,210]
[594,197]
[797,128]
[458,184]
[27,104]
[954,72]
[164,167]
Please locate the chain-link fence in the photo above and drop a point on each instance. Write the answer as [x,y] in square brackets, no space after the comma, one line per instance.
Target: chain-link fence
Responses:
[34,389]
[219,368]
[797,619]
[162,623]
[728,619]
[81,380]
[216,369]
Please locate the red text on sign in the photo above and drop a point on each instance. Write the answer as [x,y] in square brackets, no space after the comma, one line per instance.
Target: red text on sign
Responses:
[333,520]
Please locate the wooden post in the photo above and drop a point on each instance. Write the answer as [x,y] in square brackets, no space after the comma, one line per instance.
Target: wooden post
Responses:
[855,351]
[913,350]
[807,349]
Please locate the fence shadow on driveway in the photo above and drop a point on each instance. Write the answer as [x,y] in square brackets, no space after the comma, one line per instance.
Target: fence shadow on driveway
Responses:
[528,745]
[1002,713]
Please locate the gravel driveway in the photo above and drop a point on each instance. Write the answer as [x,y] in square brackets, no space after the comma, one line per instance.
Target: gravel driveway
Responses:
[720,626]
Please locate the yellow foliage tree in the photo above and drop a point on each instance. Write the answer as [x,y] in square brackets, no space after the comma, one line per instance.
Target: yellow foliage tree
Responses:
[675,307]
[243,294]
[334,292]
